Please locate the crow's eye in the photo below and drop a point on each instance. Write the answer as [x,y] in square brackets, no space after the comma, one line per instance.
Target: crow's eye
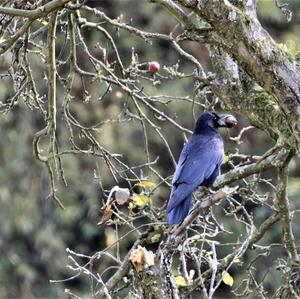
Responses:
[215,117]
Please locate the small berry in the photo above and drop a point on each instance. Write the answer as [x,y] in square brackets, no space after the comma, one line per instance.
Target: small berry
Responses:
[153,67]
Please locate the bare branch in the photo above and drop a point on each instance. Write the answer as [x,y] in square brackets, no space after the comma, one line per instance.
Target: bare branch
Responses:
[35,13]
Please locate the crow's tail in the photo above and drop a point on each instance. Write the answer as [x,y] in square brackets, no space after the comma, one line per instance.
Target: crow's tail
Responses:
[179,212]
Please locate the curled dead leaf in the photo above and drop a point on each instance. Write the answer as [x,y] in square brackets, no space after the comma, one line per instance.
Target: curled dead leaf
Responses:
[136,258]
[141,257]
[149,257]
[122,195]
[106,214]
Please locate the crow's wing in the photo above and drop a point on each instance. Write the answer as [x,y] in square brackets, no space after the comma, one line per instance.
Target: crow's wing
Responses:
[201,156]
[182,159]
[198,159]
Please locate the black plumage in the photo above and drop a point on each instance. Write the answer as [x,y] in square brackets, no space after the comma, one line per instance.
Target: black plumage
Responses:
[199,163]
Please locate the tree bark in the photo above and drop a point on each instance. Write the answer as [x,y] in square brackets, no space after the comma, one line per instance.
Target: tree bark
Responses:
[238,32]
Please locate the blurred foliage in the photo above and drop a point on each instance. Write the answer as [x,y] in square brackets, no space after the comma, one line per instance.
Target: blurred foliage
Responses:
[35,232]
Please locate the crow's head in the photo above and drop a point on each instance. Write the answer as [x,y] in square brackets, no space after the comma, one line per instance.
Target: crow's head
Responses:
[214,121]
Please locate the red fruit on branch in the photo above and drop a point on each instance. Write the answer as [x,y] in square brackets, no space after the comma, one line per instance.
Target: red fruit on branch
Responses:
[153,67]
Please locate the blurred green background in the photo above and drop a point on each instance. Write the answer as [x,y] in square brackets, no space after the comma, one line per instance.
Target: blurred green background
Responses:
[34,231]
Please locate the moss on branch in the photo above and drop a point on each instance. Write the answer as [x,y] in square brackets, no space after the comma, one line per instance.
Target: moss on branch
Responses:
[241,35]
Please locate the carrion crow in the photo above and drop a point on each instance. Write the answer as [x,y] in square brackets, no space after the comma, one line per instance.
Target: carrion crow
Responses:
[199,163]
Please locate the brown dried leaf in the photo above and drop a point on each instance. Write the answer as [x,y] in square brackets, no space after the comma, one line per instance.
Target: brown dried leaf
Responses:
[137,258]
[106,214]
[140,256]
[149,257]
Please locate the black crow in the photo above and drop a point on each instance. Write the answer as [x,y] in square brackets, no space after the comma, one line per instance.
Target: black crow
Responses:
[199,163]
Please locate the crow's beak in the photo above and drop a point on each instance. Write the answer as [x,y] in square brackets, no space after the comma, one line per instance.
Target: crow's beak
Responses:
[227,120]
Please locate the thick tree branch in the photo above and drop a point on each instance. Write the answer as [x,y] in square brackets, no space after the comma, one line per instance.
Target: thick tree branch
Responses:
[243,37]
[176,236]
[276,159]
[241,95]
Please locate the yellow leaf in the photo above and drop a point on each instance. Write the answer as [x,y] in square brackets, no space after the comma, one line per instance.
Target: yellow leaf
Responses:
[227,279]
[237,261]
[283,47]
[146,184]
[195,238]
[140,199]
[155,238]
[132,205]
[110,237]
[180,281]
[225,159]
[43,22]
[208,253]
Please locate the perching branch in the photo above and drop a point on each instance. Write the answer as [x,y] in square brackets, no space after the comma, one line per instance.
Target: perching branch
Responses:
[275,159]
